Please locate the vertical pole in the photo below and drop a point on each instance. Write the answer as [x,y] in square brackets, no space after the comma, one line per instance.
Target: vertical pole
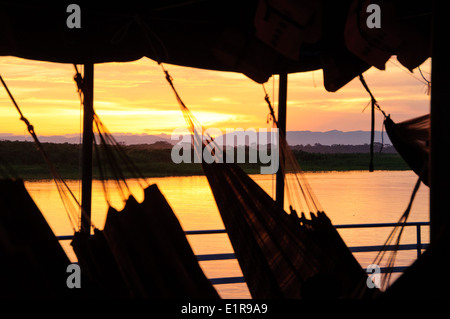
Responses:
[439,127]
[372,134]
[282,101]
[88,137]
[419,240]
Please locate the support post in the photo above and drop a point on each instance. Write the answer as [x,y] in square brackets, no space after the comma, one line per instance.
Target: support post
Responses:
[282,101]
[419,240]
[439,168]
[88,137]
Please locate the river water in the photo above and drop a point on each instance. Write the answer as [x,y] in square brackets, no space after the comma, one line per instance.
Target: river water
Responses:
[347,197]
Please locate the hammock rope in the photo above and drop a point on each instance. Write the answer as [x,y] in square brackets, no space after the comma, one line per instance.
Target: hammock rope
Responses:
[396,234]
[114,155]
[295,181]
[374,105]
[142,251]
[281,255]
[304,197]
[70,202]
[395,237]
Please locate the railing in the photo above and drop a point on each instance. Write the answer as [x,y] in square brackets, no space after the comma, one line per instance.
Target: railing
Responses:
[418,246]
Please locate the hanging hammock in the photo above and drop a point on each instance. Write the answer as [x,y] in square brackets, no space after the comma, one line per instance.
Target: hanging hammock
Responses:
[423,279]
[410,139]
[280,254]
[142,251]
[32,262]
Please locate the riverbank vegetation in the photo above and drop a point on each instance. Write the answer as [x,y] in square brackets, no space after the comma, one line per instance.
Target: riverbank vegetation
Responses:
[154,160]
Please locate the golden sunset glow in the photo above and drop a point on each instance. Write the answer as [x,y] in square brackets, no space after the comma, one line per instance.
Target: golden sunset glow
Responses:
[135,98]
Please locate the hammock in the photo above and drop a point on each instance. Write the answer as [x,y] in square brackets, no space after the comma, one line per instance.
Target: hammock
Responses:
[142,252]
[145,251]
[32,262]
[423,279]
[281,255]
[410,139]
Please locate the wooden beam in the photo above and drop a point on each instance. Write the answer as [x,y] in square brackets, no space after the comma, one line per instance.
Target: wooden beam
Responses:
[439,127]
[88,137]
[282,102]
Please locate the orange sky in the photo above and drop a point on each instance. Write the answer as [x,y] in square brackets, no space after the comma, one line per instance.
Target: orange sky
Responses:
[135,98]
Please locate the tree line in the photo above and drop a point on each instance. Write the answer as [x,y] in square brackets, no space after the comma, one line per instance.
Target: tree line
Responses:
[155,160]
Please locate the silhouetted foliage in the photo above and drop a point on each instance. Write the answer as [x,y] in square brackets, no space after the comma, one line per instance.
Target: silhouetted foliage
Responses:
[154,160]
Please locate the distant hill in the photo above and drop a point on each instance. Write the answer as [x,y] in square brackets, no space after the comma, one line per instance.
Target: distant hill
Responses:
[329,138]
[124,138]
[344,149]
[333,137]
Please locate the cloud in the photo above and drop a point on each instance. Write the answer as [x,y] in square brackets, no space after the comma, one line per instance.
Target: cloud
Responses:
[134,97]
[222,99]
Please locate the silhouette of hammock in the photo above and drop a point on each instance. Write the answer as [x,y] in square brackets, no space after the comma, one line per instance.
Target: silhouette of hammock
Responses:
[33,264]
[281,255]
[410,139]
[141,252]
[423,279]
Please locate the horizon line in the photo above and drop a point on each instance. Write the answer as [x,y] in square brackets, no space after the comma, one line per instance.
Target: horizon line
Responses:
[162,133]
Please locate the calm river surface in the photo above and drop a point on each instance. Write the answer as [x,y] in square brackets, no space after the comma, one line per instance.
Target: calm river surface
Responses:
[347,198]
